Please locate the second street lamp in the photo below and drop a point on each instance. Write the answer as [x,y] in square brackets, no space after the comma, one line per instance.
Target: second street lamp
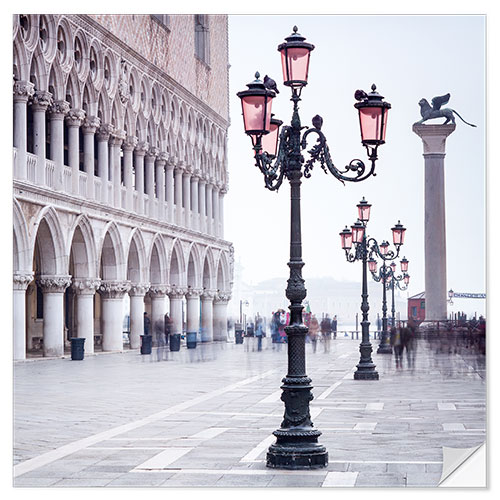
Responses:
[297,444]
[395,282]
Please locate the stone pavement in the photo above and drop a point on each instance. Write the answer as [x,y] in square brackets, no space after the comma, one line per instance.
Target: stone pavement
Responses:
[204,418]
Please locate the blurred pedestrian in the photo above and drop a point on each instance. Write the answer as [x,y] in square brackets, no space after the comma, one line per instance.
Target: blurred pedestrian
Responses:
[313,332]
[167,327]
[396,344]
[159,331]
[334,326]
[326,332]
[147,323]
[259,331]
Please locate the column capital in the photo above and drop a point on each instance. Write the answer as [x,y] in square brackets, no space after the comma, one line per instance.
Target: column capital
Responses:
[58,109]
[162,158]
[222,297]
[152,152]
[176,292]
[41,100]
[23,91]
[208,294]
[203,178]
[179,167]
[22,280]
[75,117]
[211,182]
[54,283]
[223,189]
[141,148]
[90,124]
[138,289]
[158,291]
[433,137]
[117,137]
[113,289]
[130,143]
[196,174]
[193,293]
[104,131]
[85,286]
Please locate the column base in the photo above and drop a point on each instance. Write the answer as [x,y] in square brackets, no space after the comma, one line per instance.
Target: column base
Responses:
[366,373]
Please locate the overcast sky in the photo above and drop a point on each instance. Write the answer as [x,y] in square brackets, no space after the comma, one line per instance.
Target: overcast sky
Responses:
[407,57]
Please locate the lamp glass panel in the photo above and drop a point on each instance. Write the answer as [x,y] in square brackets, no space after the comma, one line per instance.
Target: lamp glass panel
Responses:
[254,108]
[296,61]
[270,141]
[371,123]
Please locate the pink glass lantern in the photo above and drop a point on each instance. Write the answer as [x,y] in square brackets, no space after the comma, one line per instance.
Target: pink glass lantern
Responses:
[398,234]
[256,103]
[372,111]
[346,239]
[404,265]
[384,247]
[358,231]
[372,265]
[295,53]
[270,141]
[406,279]
[363,210]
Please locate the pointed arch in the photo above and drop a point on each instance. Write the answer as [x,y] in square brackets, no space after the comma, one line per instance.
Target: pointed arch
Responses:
[137,260]
[177,265]
[111,254]
[23,253]
[194,269]
[82,249]
[158,261]
[208,281]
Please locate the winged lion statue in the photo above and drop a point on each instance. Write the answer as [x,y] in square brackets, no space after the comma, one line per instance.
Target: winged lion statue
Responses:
[435,111]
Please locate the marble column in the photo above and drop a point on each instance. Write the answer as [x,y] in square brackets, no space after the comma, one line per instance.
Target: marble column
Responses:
[22,92]
[58,111]
[39,105]
[178,193]
[85,289]
[215,209]
[115,142]
[207,318]
[103,134]
[21,281]
[74,120]
[222,193]
[210,227]
[89,127]
[176,295]
[140,152]
[193,310]
[203,204]
[53,288]
[161,160]
[434,143]
[128,147]
[158,310]
[220,315]
[169,182]
[186,195]
[112,315]
[195,220]
[137,293]
[150,178]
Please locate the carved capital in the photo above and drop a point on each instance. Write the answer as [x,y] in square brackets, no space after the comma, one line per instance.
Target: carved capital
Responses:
[176,292]
[104,132]
[23,91]
[193,293]
[53,284]
[157,291]
[152,153]
[130,143]
[196,175]
[141,148]
[162,158]
[41,100]
[85,286]
[75,117]
[138,289]
[117,137]
[90,124]
[208,294]
[58,109]
[22,280]
[113,289]
[222,297]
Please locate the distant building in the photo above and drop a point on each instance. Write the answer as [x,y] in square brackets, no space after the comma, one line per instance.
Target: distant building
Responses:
[416,309]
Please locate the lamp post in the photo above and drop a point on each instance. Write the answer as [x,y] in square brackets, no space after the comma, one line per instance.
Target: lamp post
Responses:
[395,282]
[279,156]
[383,276]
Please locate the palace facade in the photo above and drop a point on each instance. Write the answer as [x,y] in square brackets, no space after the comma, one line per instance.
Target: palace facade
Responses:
[120,172]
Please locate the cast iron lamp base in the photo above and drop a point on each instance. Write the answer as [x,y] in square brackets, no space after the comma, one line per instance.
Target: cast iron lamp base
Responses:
[366,372]
[384,349]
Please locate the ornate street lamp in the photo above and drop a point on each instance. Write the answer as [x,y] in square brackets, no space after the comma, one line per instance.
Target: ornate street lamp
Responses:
[394,281]
[362,248]
[297,444]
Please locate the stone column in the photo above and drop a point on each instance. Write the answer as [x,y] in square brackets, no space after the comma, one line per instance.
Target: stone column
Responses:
[220,315]
[137,293]
[112,293]
[158,310]
[84,291]
[176,295]
[150,178]
[170,190]
[161,160]
[178,193]
[193,310]
[203,205]
[195,220]
[186,194]
[128,147]
[210,228]
[215,209]
[207,319]
[21,282]
[140,152]
[40,103]
[116,141]
[53,288]
[74,119]
[22,92]
[434,142]
[103,134]
[58,111]
[222,193]
[89,127]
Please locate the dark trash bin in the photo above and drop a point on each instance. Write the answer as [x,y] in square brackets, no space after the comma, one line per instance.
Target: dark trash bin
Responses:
[191,340]
[239,336]
[77,345]
[146,344]
[175,341]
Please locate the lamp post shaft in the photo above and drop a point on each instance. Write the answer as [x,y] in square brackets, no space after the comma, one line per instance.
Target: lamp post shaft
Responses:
[393,308]
[384,346]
